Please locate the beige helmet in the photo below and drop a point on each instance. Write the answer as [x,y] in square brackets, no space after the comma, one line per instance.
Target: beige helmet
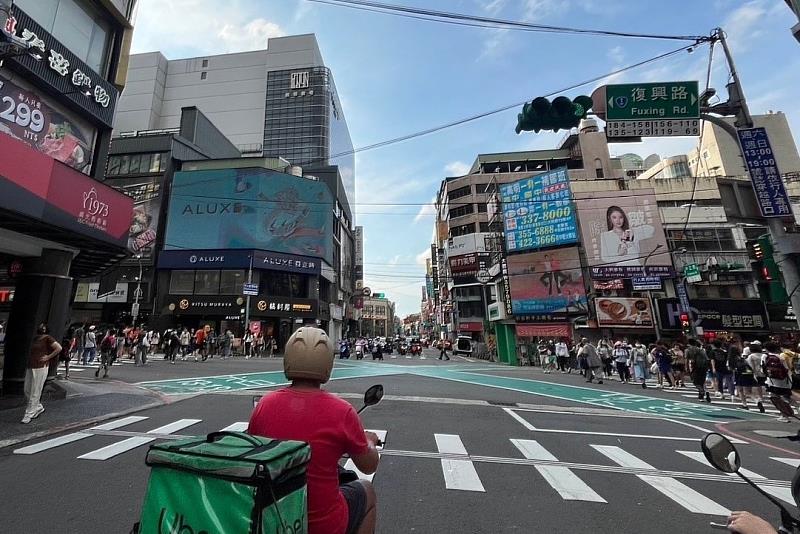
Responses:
[309,355]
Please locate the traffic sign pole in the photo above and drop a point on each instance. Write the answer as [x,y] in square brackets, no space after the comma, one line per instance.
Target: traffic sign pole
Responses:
[247,303]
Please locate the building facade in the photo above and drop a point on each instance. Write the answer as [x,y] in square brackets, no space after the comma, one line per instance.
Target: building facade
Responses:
[58,222]
[377,317]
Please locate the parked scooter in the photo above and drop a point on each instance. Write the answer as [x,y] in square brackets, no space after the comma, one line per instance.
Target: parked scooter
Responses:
[721,454]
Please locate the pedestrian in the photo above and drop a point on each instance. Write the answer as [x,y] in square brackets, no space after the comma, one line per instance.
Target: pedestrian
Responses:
[200,343]
[543,353]
[136,346]
[260,345]
[144,346]
[67,344]
[78,339]
[171,344]
[107,347]
[605,353]
[593,362]
[248,344]
[272,346]
[120,344]
[89,346]
[622,356]
[698,364]
[719,367]
[663,360]
[43,349]
[443,350]
[760,377]
[777,371]
[678,363]
[640,363]
[562,355]
[226,344]
[184,340]
[793,361]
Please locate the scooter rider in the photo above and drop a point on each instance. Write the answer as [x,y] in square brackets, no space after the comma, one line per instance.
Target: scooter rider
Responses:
[305,412]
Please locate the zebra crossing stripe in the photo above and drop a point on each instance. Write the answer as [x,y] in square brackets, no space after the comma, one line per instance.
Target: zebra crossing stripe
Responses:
[77,436]
[794,462]
[679,492]
[131,443]
[239,426]
[564,481]
[784,494]
[349,464]
[458,474]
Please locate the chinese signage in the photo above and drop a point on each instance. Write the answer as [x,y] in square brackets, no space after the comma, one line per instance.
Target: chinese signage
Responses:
[506,286]
[646,283]
[358,237]
[285,307]
[27,117]
[692,273]
[733,315]
[773,201]
[538,212]
[624,312]
[298,80]
[62,70]
[643,101]
[250,289]
[285,262]
[547,282]
[620,232]
[464,263]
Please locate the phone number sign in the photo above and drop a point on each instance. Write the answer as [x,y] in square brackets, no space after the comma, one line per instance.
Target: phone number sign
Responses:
[773,201]
[538,212]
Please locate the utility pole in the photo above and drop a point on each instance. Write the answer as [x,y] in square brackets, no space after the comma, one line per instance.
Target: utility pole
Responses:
[247,300]
[737,102]
[138,292]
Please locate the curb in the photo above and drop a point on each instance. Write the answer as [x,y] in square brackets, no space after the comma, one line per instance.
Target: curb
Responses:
[70,426]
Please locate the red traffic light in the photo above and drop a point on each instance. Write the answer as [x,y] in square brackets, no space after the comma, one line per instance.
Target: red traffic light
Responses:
[684,320]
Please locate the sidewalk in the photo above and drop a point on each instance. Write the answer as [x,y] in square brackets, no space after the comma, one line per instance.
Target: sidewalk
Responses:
[87,401]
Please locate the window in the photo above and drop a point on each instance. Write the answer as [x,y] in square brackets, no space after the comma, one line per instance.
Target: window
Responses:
[230,282]
[135,162]
[205,63]
[464,229]
[206,283]
[461,211]
[155,163]
[181,282]
[481,188]
[598,168]
[485,227]
[481,208]
[203,75]
[460,192]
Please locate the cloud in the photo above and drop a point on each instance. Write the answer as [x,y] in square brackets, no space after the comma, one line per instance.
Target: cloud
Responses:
[536,10]
[616,55]
[175,25]
[493,7]
[746,23]
[457,168]
[422,256]
[426,211]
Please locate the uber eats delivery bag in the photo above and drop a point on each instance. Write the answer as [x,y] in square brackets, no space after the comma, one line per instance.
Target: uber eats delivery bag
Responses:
[226,483]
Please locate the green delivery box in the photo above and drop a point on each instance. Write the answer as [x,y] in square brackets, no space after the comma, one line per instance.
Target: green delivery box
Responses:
[226,483]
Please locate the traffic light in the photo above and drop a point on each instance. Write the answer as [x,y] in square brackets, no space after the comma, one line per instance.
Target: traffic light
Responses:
[562,113]
[686,325]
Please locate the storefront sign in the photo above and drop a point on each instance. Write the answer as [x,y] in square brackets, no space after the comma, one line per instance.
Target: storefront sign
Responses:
[624,312]
[205,305]
[468,263]
[646,283]
[336,312]
[204,259]
[276,261]
[62,70]
[610,272]
[506,287]
[358,237]
[733,315]
[285,307]
[543,330]
[538,211]
[543,318]
[473,326]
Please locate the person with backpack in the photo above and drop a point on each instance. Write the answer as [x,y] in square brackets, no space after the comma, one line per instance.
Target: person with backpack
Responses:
[622,356]
[588,352]
[697,360]
[663,360]
[753,360]
[777,371]
[719,367]
[108,347]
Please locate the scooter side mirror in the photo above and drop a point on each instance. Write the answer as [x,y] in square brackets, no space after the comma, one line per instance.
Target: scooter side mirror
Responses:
[720,453]
[373,395]
[782,405]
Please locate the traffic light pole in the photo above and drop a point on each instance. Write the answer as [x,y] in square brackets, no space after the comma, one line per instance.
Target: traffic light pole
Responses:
[737,101]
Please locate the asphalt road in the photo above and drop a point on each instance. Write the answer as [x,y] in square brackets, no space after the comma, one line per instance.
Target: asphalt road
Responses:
[460,456]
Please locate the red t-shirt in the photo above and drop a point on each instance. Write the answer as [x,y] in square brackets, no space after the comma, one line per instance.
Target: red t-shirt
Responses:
[332,427]
[200,337]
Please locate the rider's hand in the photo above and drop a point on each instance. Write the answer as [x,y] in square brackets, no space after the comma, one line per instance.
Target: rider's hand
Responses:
[372,437]
[747,523]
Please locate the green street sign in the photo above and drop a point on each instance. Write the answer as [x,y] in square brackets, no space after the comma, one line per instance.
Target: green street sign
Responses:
[692,273]
[652,101]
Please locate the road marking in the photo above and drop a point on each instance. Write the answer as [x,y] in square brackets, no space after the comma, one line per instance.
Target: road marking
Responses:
[131,443]
[564,481]
[76,436]
[408,357]
[706,431]
[423,357]
[794,462]
[458,474]
[349,464]
[239,426]
[529,426]
[784,494]
[679,492]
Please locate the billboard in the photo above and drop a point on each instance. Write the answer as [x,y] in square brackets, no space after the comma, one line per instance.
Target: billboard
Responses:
[467,244]
[146,211]
[732,315]
[546,282]
[624,312]
[250,209]
[538,212]
[619,231]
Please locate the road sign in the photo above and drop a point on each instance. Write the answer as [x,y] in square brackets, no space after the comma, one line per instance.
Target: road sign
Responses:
[646,283]
[483,276]
[250,290]
[652,101]
[379,295]
[366,291]
[653,128]
[135,310]
[692,273]
[767,183]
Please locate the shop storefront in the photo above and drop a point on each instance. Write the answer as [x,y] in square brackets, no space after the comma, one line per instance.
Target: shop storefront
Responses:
[716,318]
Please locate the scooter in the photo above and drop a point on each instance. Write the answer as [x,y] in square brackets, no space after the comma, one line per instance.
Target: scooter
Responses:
[722,454]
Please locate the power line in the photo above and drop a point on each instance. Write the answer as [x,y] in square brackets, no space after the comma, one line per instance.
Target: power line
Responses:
[492,23]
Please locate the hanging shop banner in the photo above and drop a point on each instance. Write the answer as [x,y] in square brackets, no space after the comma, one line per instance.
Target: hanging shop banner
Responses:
[732,315]
[624,312]
[547,282]
[538,212]
[620,231]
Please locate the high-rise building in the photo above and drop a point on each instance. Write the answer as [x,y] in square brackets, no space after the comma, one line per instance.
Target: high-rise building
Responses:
[278,102]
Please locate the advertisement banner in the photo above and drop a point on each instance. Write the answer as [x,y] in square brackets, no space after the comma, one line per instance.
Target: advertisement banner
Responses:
[29,118]
[733,315]
[467,244]
[773,200]
[146,210]
[358,237]
[607,285]
[250,208]
[538,212]
[87,292]
[620,231]
[547,282]
[624,312]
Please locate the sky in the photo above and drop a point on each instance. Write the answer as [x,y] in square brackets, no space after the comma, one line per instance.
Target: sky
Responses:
[397,76]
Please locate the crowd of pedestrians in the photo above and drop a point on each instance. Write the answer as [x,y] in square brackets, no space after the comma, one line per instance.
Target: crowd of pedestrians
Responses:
[740,370]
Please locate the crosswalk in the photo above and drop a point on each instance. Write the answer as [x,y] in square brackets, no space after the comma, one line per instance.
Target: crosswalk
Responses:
[461,471]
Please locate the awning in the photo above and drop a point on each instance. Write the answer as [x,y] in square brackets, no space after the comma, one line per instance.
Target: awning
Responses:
[543,330]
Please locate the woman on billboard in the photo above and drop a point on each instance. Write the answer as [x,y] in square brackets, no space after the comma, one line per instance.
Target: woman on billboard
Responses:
[621,244]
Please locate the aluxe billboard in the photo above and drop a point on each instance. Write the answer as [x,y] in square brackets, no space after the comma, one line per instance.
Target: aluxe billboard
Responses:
[250,209]
[237,259]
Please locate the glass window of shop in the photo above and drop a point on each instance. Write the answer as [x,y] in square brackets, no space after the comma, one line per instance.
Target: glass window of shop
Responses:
[134,164]
[208,282]
[76,25]
[286,285]
[231,282]
[181,282]
[702,239]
